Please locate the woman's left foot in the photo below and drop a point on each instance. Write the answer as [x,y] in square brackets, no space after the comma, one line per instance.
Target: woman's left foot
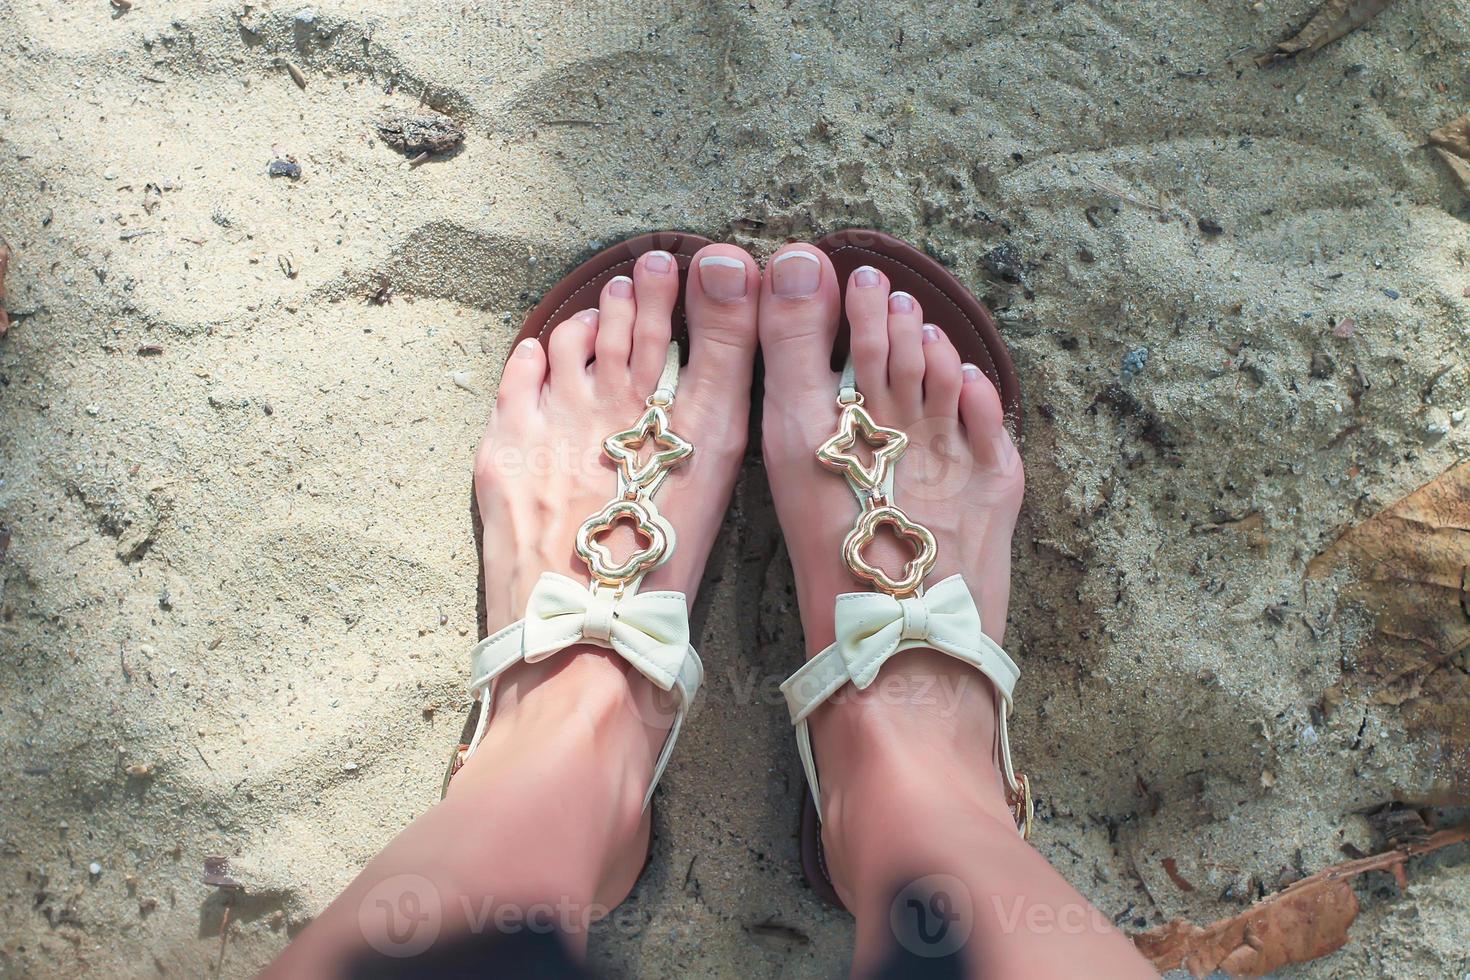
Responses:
[961,477]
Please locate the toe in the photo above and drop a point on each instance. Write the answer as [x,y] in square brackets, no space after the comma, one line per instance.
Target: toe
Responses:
[571,347]
[866,304]
[798,320]
[906,354]
[984,419]
[720,305]
[521,378]
[615,324]
[942,376]
[655,288]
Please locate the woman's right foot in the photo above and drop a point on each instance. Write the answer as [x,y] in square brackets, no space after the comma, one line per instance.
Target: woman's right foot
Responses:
[585,716]
[961,477]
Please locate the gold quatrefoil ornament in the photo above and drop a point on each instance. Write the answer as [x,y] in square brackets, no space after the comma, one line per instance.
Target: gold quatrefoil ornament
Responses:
[649,524]
[622,447]
[888,445]
[926,551]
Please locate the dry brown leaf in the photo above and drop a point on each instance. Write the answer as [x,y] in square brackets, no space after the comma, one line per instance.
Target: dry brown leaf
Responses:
[1332,20]
[1452,142]
[1411,567]
[4,265]
[1302,922]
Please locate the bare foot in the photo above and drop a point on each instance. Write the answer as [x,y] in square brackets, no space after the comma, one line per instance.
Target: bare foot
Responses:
[540,472]
[961,477]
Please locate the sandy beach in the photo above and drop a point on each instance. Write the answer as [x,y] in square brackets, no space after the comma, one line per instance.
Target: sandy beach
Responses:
[237,413]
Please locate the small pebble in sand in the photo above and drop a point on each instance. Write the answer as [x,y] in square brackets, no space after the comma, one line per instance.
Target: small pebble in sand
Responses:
[1390,293]
[462,379]
[1344,328]
[1211,227]
[94,869]
[1005,262]
[217,873]
[423,132]
[1457,416]
[349,767]
[1134,362]
[287,167]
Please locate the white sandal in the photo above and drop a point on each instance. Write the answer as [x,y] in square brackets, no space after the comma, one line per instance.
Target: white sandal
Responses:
[902,615]
[650,630]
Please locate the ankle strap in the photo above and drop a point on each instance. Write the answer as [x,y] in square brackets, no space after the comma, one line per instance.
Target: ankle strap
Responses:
[650,630]
[871,629]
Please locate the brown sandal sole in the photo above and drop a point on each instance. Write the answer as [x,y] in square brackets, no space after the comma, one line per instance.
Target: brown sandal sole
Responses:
[952,308]
[578,290]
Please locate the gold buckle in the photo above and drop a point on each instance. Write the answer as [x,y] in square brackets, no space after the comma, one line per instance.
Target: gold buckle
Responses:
[1023,808]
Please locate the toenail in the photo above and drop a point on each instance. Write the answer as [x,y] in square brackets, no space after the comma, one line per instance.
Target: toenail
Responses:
[587,316]
[971,372]
[900,302]
[527,347]
[865,276]
[659,262]
[795,279]
[722,277]
[931,333]
[621,287]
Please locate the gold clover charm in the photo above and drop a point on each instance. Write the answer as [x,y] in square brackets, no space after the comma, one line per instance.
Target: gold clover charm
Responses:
[622,447]
[862,534]
[649,524]
[888,445]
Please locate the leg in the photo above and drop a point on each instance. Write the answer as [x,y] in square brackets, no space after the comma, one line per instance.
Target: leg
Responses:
[908,790]
[544,827]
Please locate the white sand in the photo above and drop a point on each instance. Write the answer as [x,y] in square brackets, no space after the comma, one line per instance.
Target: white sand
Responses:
[229,561]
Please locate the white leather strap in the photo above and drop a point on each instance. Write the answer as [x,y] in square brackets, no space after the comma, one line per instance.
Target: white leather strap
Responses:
[650,630]
[871,627]
[847,385]
[668,379]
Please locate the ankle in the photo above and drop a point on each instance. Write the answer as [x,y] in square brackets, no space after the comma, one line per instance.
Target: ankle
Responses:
[581,714]
[907,815]
[923,706]
[907,762]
